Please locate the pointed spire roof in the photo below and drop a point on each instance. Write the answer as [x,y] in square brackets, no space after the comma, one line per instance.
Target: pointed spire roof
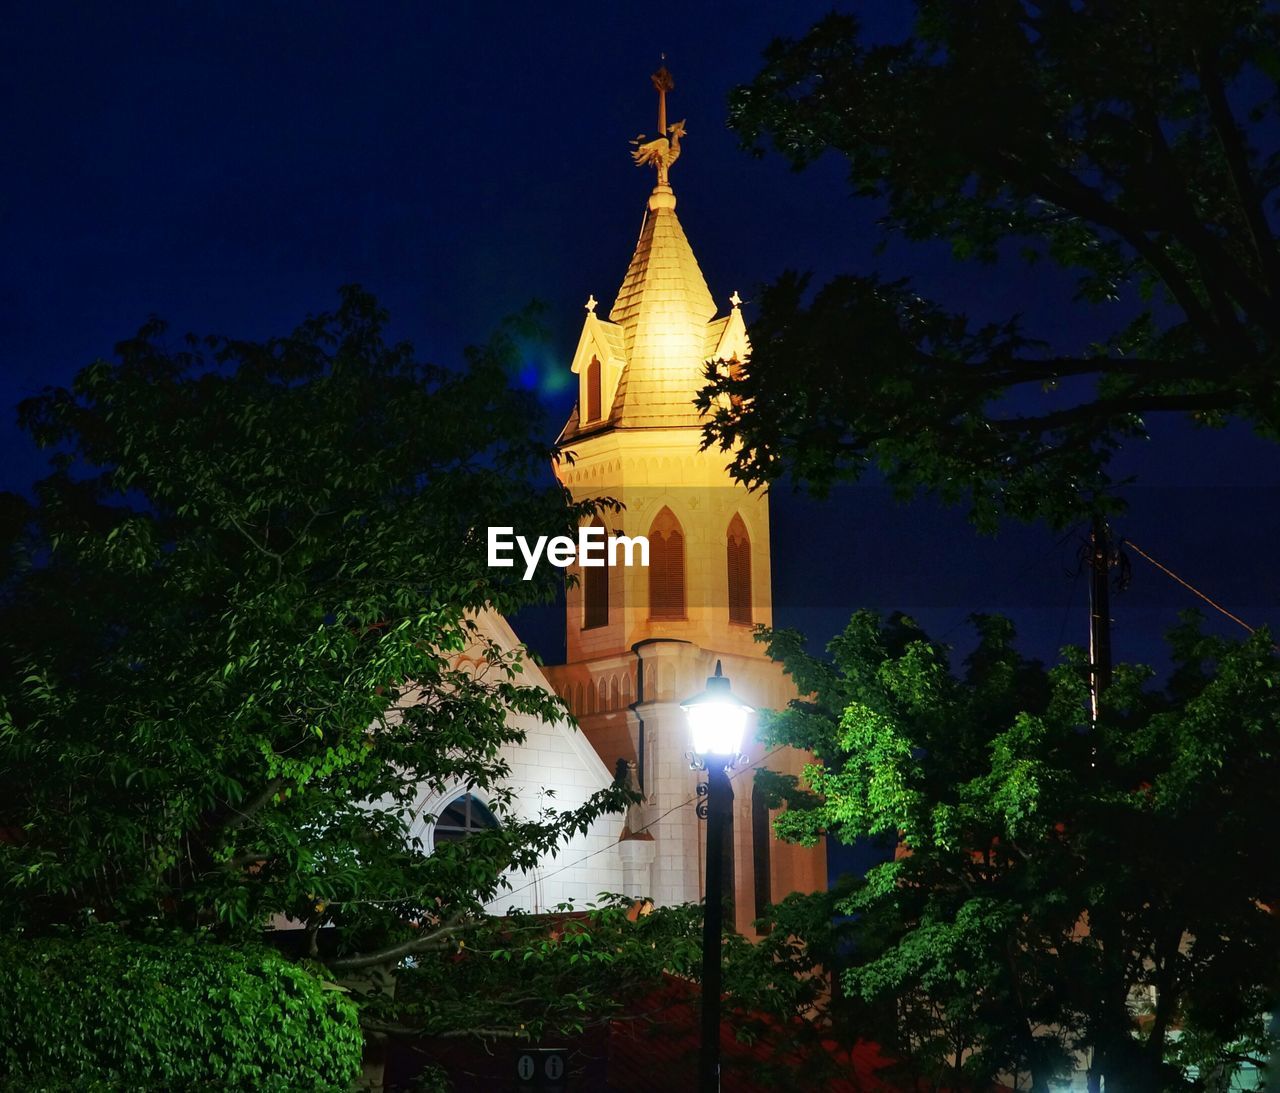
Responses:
[662,318]
[663,275]
[663,308]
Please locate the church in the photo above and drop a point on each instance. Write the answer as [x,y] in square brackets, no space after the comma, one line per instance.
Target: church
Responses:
[639,640]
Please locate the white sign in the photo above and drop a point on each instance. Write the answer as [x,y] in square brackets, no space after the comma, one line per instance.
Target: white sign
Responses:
[591,550]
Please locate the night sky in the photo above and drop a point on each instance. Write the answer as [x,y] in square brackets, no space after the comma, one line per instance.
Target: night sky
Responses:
[227,167]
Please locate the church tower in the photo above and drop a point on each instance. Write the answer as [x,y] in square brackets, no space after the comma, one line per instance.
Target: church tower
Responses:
[639,640]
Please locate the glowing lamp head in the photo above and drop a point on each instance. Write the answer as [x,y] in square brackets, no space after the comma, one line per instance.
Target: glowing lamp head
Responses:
[717,718]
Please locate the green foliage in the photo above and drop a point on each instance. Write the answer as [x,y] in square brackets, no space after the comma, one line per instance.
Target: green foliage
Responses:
[528,977]
[1060,887]
[1130,144]
[532,978]
[106,1013]
[241,643]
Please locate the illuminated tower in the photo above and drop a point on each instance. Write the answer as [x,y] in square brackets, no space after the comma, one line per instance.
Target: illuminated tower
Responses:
[639,640]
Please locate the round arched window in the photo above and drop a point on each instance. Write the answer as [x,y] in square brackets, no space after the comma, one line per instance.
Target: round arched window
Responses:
[461,817]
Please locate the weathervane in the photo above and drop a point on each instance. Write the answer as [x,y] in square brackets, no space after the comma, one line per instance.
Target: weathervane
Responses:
[664,149]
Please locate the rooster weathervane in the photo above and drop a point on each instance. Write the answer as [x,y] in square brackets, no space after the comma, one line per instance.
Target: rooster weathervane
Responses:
[664,149]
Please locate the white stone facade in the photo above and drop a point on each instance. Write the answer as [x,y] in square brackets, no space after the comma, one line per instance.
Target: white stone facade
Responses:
[556,767]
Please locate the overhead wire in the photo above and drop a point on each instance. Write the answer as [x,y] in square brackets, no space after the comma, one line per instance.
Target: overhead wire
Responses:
[1189,586]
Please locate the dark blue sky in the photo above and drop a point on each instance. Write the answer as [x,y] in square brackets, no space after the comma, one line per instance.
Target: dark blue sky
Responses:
[227,167]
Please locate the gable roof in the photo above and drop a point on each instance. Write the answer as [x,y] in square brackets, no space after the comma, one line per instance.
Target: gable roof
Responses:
[497,629]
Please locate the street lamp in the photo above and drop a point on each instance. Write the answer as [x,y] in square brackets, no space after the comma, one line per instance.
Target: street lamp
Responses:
[717,720]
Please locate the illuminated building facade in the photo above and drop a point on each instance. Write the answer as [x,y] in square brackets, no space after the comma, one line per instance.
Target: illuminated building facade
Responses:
[639,640]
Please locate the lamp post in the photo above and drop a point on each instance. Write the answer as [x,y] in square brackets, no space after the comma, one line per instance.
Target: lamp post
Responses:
[717,720]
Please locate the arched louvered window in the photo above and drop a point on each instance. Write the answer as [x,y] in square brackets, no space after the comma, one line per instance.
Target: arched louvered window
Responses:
[595,592]
[739,566]
[593,390]
[666,567]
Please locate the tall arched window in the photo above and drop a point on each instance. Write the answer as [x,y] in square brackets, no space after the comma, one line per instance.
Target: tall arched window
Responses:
[595,591]
[593,390]
[666,567]
[463,816]
[739,566]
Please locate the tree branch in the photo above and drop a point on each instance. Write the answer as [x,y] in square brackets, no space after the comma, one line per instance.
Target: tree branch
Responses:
[249,858]
[393,953]
[1104,408]
[276,557]
[1068,192]
[370,1024]
[1233,150]
[1177,202]
[1009,373]
[241,816]
[1060,186]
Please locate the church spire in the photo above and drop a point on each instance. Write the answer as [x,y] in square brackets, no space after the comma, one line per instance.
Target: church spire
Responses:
[643,365]
[663,307]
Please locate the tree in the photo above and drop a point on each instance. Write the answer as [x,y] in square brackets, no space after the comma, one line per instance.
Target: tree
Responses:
[1132,144]
[1059,889]
[107,1012]
[234,625]
[634,968]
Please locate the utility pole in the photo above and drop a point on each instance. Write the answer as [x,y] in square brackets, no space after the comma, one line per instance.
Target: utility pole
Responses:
[1100,562]
[1102,556]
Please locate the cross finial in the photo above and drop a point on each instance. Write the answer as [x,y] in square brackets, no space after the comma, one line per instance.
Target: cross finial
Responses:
[591,304]
[662,83]
[736,300]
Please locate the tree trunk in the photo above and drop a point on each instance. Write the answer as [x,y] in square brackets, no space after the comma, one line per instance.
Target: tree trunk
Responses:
[1128,1067]
[379,979]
